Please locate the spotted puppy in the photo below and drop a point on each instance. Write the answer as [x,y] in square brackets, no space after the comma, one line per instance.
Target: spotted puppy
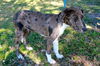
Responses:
[51,26]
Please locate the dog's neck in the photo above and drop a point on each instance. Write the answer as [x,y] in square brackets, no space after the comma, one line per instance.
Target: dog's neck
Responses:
[63,27]
[63,19]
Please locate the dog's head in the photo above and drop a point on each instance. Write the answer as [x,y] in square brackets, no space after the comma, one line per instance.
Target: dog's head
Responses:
[73,17]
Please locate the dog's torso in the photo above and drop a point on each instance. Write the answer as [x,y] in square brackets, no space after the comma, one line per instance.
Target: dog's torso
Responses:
[43,24]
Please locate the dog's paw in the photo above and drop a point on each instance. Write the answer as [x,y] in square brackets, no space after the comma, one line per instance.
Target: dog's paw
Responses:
[20,57]
[51,61]
[59,56]
[29,48]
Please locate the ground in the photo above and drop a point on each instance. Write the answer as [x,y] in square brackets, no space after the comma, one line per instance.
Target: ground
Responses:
[78,49]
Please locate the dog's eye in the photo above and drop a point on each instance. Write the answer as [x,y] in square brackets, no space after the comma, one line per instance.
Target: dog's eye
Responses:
[82,16]
[76,18]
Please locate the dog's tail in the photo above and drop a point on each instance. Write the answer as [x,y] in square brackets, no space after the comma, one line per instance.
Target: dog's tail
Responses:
[15,17]
[16,21]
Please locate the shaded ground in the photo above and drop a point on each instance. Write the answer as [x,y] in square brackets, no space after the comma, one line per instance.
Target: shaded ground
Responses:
[95,19]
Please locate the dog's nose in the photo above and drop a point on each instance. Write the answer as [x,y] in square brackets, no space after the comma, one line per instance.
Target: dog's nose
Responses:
[84,29]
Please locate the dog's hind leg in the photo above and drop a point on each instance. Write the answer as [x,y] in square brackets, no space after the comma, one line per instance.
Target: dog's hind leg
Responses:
[17,42]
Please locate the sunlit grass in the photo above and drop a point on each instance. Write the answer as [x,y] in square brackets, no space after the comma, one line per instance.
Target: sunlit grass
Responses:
[5,30]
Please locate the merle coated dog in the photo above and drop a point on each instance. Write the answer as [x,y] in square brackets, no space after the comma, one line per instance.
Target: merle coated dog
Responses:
[51,26]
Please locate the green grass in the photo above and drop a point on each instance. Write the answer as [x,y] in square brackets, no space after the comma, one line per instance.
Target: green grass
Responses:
[73,45]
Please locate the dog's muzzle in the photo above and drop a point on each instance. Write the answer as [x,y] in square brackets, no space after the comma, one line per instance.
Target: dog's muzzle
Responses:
[84,29]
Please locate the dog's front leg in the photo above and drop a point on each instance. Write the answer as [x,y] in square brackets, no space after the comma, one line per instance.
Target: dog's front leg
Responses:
[56,49]
[48,52]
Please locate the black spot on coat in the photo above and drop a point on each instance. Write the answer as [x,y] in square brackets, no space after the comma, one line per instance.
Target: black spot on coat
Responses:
[36,19]
[16,16]
[28,22]
[57,20]
[50,30]
[20,25]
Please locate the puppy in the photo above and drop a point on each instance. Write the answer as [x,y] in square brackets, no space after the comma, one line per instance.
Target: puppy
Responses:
[51,26]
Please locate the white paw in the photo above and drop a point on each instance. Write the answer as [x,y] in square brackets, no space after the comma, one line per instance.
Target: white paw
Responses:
[59,56]
[29,48]
[51,61]
[20,57]
[49,58]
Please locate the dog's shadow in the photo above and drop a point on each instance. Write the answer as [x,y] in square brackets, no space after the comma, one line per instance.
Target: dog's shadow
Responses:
[12,60]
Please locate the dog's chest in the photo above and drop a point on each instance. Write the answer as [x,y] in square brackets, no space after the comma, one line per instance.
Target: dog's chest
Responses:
[62,28]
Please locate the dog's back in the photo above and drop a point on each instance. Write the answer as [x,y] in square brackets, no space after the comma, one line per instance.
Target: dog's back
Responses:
[31,20]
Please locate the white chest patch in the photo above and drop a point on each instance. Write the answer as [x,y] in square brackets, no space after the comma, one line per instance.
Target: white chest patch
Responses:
[62,28]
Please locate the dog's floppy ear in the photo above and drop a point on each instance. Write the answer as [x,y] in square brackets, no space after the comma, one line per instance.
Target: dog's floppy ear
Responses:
[69,11]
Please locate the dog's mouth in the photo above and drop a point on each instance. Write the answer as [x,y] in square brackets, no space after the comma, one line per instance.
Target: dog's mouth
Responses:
[82,30]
